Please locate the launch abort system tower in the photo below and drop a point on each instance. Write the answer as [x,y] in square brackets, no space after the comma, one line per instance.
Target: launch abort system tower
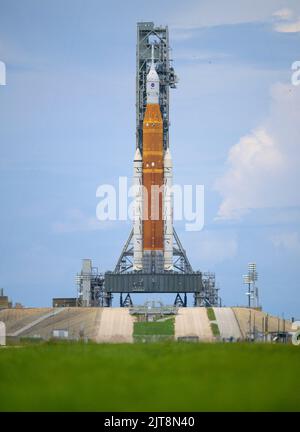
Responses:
[153,259]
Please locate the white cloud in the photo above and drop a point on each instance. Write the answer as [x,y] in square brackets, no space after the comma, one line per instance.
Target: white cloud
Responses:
[263,168]
[202,13]
[285,21]
[283,14]
[252,161]
[288,27]
[77,221]
[287,240]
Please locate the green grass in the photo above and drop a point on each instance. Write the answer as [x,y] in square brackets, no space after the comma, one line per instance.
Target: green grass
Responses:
[215,329]
[138,377]
[154,328]
[15,340]
[213,325]
[211,314]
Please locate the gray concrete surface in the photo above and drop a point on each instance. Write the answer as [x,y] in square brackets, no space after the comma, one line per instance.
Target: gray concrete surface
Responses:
[37,321]
[193,321]
[227,323]
[115,325]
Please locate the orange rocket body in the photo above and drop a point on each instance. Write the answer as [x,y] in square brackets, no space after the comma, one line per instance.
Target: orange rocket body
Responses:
[153,226]
[153,179]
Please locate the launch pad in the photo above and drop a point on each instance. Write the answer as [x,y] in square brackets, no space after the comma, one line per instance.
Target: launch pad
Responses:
[153,259]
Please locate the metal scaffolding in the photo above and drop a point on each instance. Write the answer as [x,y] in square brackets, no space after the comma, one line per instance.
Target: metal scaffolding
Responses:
[148,34]
[180,259]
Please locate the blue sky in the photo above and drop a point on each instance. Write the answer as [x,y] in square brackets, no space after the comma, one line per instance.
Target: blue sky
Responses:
[67,125]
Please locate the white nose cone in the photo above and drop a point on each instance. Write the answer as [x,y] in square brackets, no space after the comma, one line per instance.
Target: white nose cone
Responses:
[137,155]
[152,85]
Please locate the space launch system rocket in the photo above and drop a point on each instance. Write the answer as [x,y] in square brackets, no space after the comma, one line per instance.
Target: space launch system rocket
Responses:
[153,225]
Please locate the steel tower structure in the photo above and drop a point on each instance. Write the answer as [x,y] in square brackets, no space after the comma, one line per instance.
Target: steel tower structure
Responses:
[97,289]
[148,36]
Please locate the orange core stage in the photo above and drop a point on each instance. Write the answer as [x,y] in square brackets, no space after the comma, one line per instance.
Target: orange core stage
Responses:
[153,178]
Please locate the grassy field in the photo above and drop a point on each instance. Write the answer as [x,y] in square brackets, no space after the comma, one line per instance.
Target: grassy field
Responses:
[215,329]
[154,328]
[170,376]
[211,314]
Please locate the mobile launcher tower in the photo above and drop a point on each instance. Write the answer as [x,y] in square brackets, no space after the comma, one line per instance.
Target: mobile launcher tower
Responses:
[153,259]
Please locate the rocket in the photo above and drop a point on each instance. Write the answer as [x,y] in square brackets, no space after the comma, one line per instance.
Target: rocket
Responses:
[153,225]
[168,211]
[138,211]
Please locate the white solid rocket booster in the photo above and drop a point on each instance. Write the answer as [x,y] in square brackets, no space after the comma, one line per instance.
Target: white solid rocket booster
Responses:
[168,211]
[138,211]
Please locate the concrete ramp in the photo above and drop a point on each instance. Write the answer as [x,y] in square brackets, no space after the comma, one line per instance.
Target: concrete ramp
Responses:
[36,322]
[16,319]
[115,325]
[193,321]
[227,323]
[78,322]
[249,319]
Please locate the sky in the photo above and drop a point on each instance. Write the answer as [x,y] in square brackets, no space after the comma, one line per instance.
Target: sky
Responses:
[67,125]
